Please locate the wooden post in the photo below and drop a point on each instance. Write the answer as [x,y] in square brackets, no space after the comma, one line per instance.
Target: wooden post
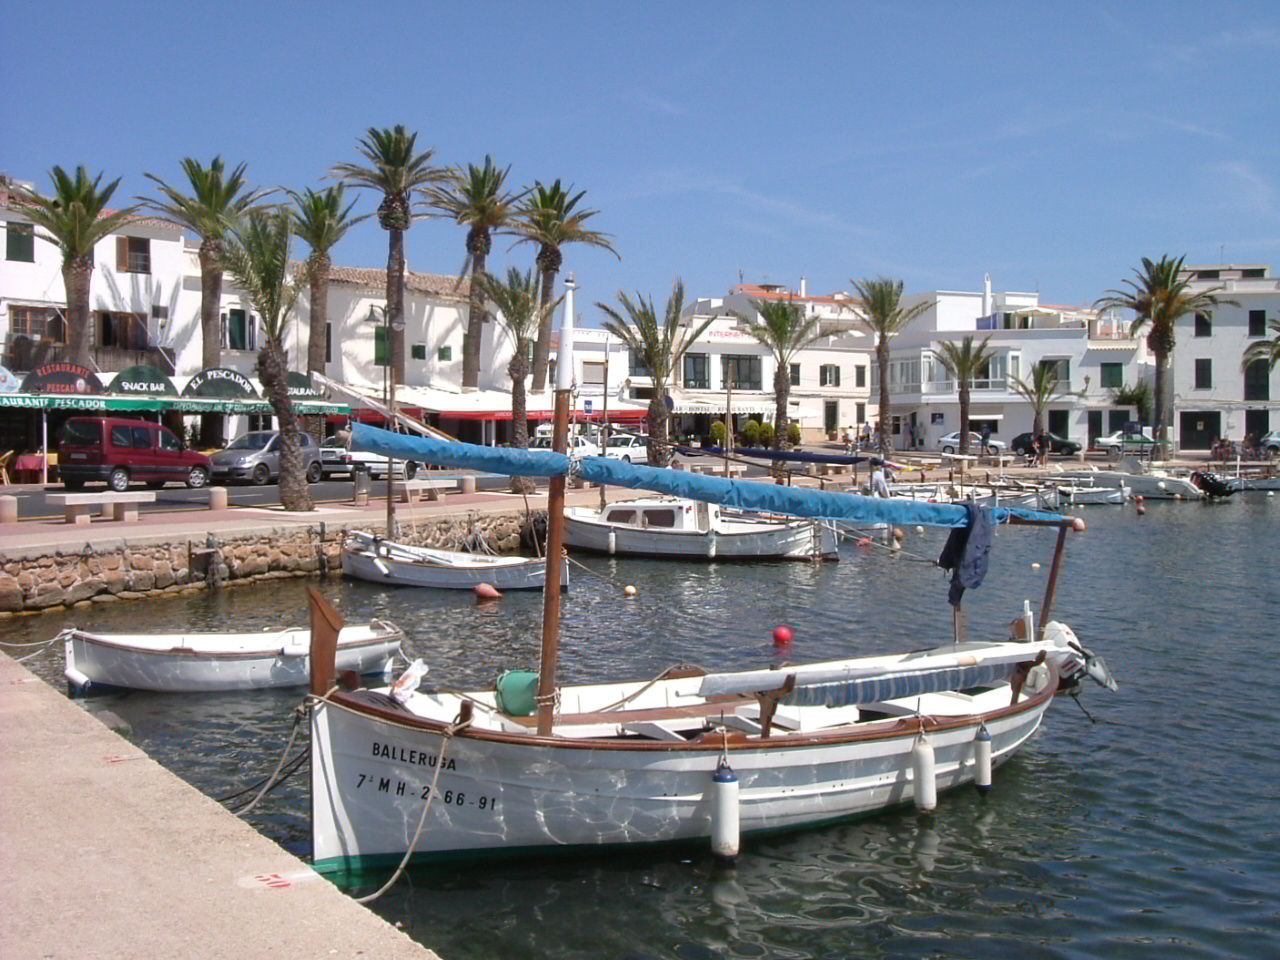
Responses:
[551,581]
[1051,587]
[326,623]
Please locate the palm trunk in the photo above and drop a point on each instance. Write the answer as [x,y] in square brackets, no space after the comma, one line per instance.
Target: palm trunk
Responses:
[273,371]
[318,310]
[76,276]
[882,361]
[471,340]
[395,301]
[212,425]
[542,346]
[659,453]
[782,392]
[964,416]
[1161,400]
[518,369]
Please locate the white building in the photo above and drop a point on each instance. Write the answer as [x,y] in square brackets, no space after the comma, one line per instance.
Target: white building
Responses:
[1212,396]
[1092,355]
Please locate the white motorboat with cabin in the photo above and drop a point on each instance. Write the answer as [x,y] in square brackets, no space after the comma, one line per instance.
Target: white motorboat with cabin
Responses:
[1153,484]
[373,558]
[209,662]
[673,527]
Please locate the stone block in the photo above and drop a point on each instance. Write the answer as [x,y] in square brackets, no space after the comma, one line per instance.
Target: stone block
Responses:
[10,594]
[142,580]
[47,595]
[84,590]
[141,561]
[163,574]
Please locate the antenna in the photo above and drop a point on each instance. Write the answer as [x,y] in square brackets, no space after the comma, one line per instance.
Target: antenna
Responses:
[741,279]
[1221,254]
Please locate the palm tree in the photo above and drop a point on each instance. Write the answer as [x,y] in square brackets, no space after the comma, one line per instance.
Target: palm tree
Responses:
[256,255]
[1040,390]
[660,346]
[320,221]
[964,362]
[1137,396]
[393,169]
[1267,350]
[882,315]
[75,217]
[782,328]
[476,198]
[214,206]
[1159,295]
[519,311]
[549,218]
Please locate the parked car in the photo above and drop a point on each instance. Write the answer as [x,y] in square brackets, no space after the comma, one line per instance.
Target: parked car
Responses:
[629,448]
[1120,442]
[1270,444]
[951,443]
[255,457]
[1022,444]
[119,452]
[337,460]
[578,445]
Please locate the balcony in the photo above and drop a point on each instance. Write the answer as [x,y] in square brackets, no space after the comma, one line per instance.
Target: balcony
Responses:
[991,385]
[22,354]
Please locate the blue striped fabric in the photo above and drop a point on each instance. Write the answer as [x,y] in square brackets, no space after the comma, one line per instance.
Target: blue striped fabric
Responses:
[894,686]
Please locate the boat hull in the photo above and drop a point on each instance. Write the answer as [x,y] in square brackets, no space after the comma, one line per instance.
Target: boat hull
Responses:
[527,575]
[799,540]
[493,797]
[1150,486]
[208,663]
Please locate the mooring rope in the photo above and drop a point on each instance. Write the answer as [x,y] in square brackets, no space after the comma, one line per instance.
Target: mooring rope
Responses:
[298,714]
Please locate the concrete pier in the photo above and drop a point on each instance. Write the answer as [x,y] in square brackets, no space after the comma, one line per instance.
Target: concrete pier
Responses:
[109,855]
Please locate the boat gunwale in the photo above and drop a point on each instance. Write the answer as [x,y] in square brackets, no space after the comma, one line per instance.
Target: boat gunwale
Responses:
[393,634]
[733,740]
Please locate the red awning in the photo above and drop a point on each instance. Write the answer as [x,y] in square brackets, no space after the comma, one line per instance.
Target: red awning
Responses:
[629,415]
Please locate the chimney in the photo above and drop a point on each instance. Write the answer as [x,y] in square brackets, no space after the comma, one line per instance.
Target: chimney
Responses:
[986,294]
[804,287]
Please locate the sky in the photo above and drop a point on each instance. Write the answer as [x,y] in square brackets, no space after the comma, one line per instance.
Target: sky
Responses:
[1052,145]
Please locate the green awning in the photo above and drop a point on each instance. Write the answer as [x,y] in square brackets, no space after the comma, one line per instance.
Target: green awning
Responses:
[109,404]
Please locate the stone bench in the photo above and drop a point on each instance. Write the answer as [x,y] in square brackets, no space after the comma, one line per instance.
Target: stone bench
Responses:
[407,491]
[717,469]
[115,506]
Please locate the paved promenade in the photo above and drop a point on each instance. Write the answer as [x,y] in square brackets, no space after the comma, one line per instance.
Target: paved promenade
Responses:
[109,855]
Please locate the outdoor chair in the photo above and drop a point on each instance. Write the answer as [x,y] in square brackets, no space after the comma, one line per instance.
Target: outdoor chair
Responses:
[6,458]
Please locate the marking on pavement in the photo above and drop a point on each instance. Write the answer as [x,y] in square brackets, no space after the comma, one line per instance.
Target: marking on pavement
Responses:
[276,881]
[121,758]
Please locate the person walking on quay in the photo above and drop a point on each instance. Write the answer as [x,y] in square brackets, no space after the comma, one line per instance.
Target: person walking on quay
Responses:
[986,439]
[1043,442]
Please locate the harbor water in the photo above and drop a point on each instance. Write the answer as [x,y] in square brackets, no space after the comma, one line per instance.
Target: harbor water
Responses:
[1149,830]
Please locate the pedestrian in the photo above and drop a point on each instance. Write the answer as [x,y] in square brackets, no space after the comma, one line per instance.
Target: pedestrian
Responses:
[342,436]
[1043,440]
[986,439]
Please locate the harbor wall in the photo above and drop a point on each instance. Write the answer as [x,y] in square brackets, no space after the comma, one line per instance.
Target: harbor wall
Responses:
[49,579]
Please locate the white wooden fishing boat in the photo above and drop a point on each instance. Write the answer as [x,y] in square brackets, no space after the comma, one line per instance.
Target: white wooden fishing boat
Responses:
[371,558]
[672,527]
[1151,484]
[1082,494]
[207,662]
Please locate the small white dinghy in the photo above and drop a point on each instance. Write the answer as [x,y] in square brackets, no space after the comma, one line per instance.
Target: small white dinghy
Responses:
[371,558]
[210,662]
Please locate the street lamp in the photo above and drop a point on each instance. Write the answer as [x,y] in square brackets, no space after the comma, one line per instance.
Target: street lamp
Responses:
[380,314]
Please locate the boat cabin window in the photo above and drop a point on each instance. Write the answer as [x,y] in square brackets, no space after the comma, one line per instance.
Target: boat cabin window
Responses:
[659,518]
[622,516]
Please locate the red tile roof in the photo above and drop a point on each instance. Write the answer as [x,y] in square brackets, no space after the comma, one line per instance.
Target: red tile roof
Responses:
[435,284]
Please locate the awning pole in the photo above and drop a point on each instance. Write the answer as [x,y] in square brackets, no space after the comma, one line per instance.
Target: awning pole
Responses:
[44,443]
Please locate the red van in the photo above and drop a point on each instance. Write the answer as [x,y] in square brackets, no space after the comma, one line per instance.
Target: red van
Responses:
[119,452]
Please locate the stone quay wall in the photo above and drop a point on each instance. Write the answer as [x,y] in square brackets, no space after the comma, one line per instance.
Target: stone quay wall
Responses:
[34,581]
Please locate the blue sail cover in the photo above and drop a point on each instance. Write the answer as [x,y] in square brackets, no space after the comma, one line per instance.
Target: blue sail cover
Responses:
[895,686]
[744,494]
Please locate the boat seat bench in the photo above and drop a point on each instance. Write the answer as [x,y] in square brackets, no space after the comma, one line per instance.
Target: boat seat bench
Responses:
[115,506]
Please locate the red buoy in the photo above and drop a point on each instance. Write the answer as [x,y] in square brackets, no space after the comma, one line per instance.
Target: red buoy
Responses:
[486,591]
[782,636]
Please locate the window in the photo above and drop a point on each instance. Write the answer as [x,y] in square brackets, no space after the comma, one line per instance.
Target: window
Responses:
[659,518]
[593,373]
[1203,327]
[120,437]
[829,375]
[381,346]
[860,412]
[860,376]
[745,369]
[635,366]
[258,422]
[238,332]
[1204,374]
[444,354]
[697,371]
[1208,274]
[1061,370]
[1253,273]
[1256,377]
[328,343]
[20,242]
[168,441]
[133,255]
[38,323]
[418,351]
[125,331]
[141,437]
[795,374]
[1257,323]
[1112,376]
[622,516]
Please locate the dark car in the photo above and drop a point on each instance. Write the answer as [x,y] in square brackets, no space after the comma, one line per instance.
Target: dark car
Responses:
[1022,444]
[119,452]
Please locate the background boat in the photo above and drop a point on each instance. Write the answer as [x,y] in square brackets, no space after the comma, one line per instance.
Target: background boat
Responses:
[371,558]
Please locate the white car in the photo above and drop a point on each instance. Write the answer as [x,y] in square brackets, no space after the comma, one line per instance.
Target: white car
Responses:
[628,448]
[578,446]
[335,460]
[951,443]
[1119,442]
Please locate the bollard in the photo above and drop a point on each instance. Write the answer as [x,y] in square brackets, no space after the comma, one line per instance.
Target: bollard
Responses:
[467,483]
[360,487]
[217,498]
[8,509]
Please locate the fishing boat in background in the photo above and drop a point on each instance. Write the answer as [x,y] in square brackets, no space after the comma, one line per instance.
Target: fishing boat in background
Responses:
[531,766]
[1153,484]
[679,528]
[1082,493]
[209,662]
[372,558]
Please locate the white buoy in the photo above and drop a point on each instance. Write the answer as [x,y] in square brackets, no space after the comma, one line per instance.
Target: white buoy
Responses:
[982,760]
[613,542]
[724,811]
[711,545]
[925,773]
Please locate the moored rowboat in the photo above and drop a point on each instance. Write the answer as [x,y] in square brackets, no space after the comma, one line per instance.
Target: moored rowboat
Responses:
[371,558]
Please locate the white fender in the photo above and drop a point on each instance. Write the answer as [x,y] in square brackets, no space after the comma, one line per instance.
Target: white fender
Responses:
[613,542]
[724,812]
[924,772]
[711,545]
[982,759]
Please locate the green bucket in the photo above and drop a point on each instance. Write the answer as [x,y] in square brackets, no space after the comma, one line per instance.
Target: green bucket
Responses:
[517,693]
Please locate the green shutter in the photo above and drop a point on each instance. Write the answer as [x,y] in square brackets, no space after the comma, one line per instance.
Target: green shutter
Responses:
[381,347]
[418,351]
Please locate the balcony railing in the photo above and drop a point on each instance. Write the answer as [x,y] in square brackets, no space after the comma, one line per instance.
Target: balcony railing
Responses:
[23,353]
[995,384]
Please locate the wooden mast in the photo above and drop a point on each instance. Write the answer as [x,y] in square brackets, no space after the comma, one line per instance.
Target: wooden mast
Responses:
[555,521]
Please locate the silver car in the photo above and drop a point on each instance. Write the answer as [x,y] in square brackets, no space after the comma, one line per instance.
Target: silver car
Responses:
[255,457]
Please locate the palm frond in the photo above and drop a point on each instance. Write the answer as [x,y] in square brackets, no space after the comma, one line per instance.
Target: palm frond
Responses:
[256,256]
[881,312]
[215,200]
[74,217]
[320,219]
